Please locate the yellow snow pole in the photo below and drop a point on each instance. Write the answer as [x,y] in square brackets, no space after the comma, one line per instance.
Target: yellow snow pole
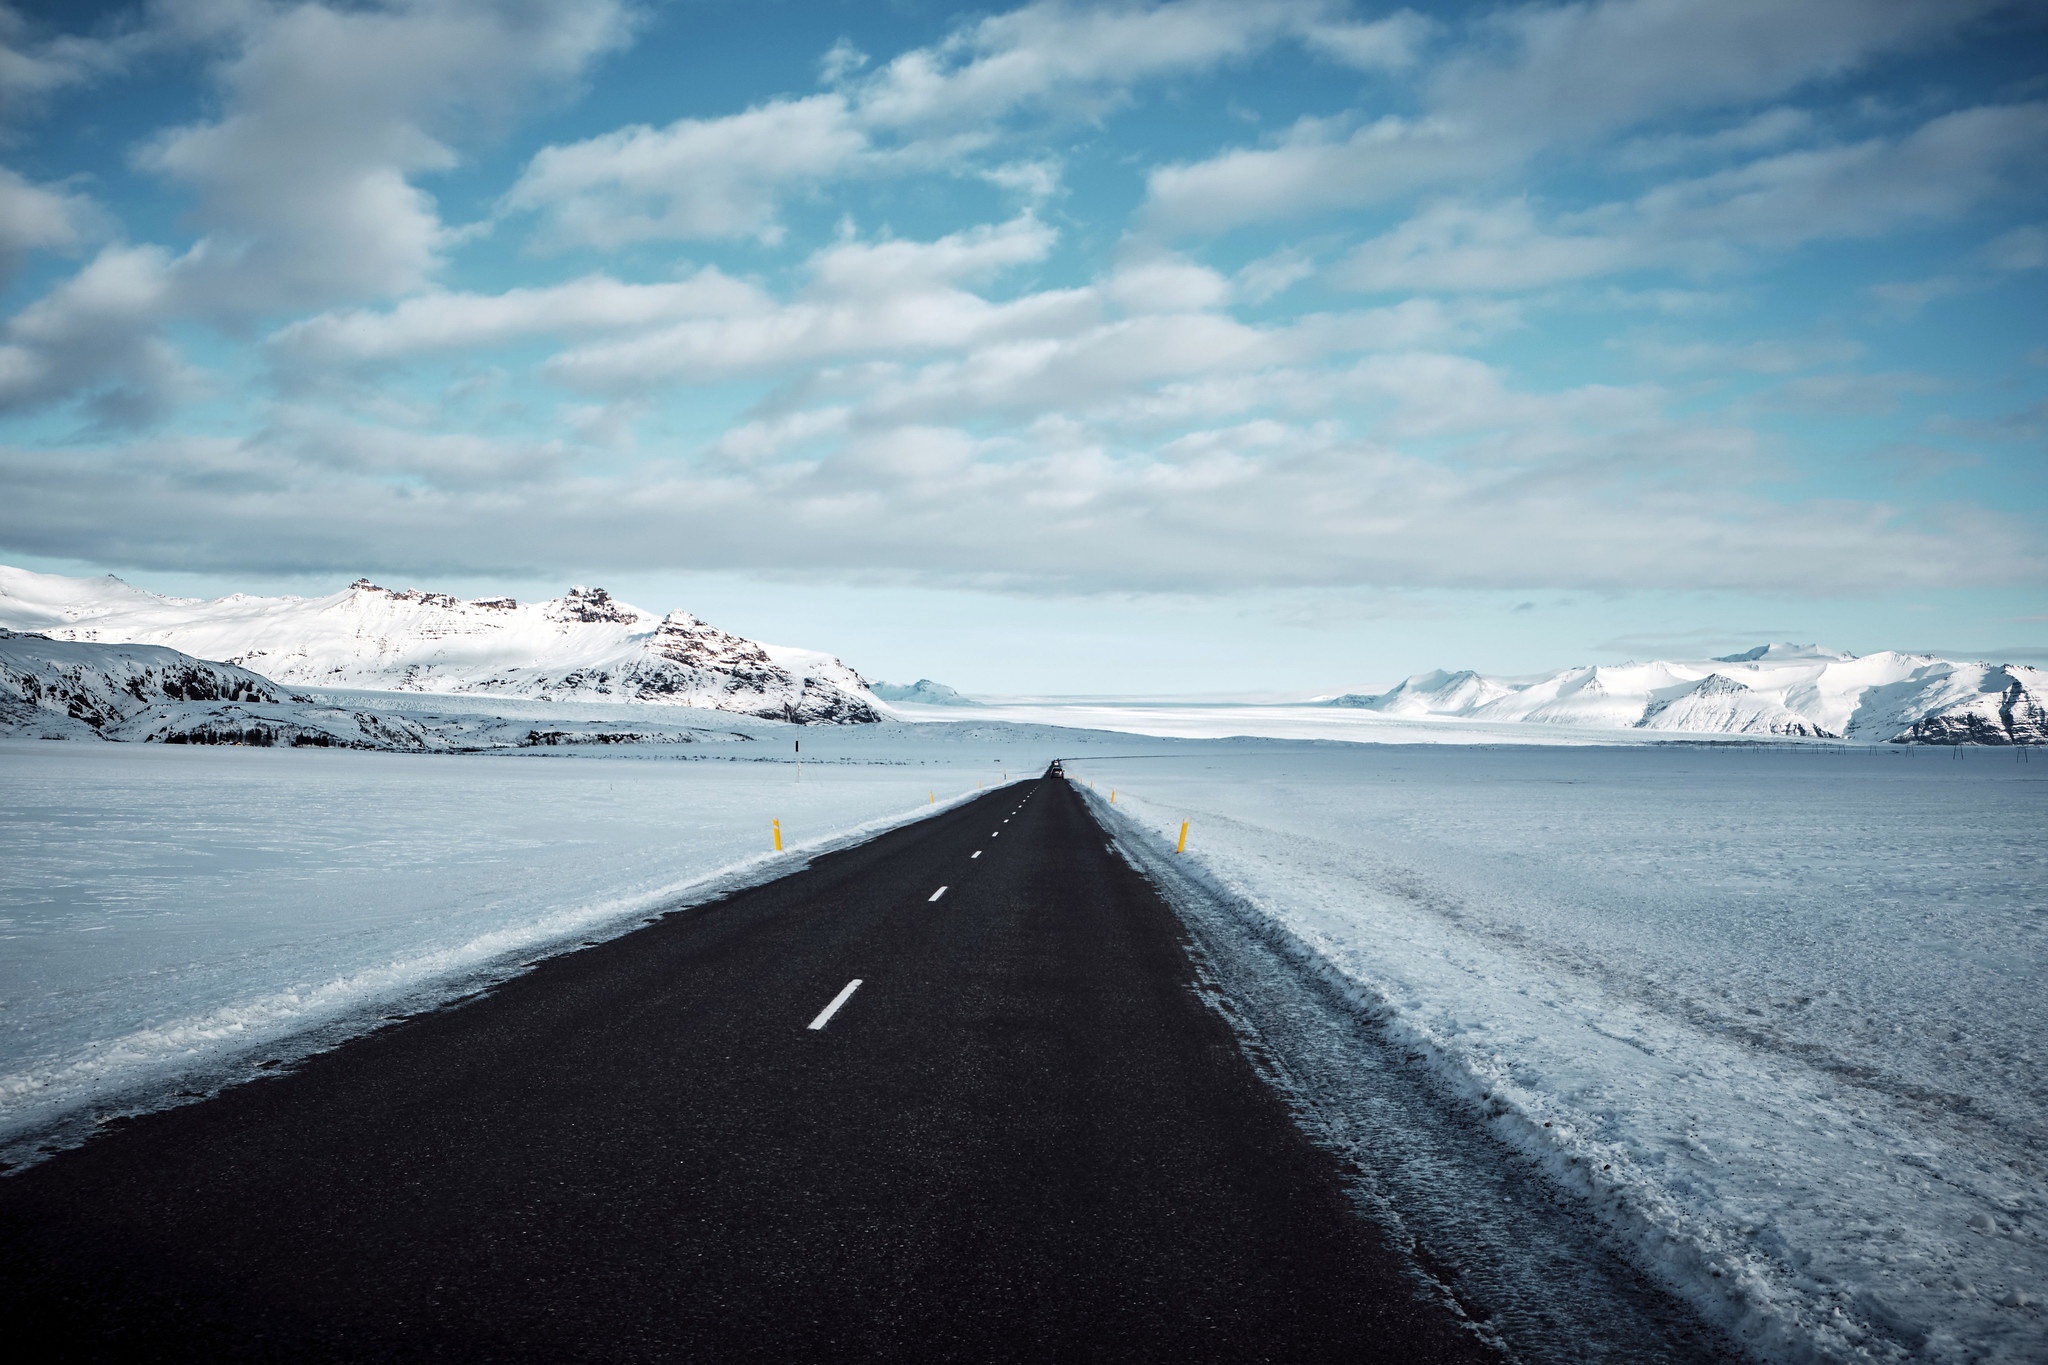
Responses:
[932,797]
[1112,796]
[778,834]
[1183,838]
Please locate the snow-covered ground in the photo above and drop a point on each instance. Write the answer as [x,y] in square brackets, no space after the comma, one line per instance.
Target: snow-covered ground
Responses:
[169,911]
[1775,1010]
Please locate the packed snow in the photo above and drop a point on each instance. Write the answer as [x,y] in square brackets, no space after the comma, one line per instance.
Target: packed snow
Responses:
[1775,1010]
[583,645]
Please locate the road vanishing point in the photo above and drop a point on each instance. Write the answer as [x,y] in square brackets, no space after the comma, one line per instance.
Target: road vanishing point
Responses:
[942,1096]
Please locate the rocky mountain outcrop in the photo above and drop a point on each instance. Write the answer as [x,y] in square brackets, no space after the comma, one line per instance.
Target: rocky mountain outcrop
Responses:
[62,689]
[586,645]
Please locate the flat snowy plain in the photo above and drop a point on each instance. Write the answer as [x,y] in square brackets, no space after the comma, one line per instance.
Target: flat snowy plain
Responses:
[1774,1010]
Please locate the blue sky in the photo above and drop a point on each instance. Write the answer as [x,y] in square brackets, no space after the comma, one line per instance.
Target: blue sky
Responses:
[1189,347]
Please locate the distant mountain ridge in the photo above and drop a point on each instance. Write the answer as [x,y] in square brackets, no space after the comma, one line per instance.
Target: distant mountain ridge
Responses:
[583,646]
[923,692]
[1777,689]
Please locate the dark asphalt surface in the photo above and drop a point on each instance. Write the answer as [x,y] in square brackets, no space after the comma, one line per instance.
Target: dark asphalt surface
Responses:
[1024,1136]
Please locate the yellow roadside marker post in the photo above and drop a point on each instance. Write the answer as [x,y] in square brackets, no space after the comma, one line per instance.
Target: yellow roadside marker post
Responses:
[1112,796]
[932,797]
[1183,838]
[778,835]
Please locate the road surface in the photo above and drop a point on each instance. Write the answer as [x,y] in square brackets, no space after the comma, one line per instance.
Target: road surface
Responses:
[1022,1135]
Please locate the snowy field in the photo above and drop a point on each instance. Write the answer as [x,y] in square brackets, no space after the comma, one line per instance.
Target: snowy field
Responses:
[1776,1011]
[170,911]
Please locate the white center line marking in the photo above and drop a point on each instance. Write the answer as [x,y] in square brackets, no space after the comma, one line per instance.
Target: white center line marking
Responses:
[995,834]
[974,855]
[935,895]
[845,993]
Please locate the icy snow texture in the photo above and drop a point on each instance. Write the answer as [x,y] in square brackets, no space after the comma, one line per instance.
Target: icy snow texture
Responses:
[585,645]
[1797,690]
[1776,1010]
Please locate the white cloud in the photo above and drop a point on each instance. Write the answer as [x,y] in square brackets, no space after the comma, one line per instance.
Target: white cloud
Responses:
[726,177]
[1760,132]
[305,183]
[34,67]
[700,178]
[305,195]
[864,301]
[37,218]
[1492,247]
[1390,44]
[1941,170]
[1166,284]
[96,334]
[1544,75]
[1317,166]
[888,267]
[453,321]
[1575,70]
[2022,248]
[1945,168]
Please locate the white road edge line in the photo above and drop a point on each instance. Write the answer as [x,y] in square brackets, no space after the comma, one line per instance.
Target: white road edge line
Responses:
[845,993]
[935,895]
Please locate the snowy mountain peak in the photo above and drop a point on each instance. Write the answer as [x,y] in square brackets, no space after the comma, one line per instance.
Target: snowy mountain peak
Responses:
[584,645]
[590,606]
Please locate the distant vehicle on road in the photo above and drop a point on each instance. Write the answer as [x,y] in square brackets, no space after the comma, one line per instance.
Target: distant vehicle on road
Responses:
[1055,770]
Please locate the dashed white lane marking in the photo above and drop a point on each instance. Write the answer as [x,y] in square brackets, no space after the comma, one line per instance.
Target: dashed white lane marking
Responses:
[845,994]
[972,856]
[995,834]
[935,895]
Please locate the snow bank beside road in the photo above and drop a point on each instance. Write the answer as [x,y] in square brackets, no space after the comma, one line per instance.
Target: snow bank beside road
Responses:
[1774,1012]
[164,910]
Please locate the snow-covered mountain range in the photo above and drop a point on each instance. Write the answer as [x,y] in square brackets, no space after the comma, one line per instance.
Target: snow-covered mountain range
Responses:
[583,646]
[1780,689]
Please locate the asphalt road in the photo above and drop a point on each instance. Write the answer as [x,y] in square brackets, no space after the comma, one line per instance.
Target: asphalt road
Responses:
[1022,1136]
